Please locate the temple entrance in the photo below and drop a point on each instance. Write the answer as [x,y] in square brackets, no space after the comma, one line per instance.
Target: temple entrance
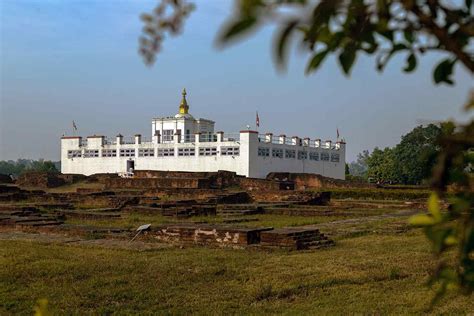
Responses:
[130,166]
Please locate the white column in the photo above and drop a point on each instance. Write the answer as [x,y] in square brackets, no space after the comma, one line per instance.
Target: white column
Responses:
[282,139]
[268,137]
[220,137]
[295,140]
[138,139]
[248,153]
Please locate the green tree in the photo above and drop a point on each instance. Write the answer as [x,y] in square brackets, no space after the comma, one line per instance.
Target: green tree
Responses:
[359,167]
[416,154]
[381,165]
[25,165]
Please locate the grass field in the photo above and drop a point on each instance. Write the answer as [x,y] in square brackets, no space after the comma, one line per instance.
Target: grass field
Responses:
[379,266]
[375,274]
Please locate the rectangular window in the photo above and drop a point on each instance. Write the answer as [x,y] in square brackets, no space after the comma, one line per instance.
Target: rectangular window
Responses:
[190,151]
[109,152]
[290,153]
[74,154]
[167,135]
[335,157]
[278,153]
[325,156]
[264,151]
[91,153]
[208,151]
[165,152]
[230,151]
[313,156]
[146,152]
[302,154]
[127,152]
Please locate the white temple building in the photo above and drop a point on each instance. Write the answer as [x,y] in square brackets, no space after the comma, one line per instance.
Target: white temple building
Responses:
[183,143]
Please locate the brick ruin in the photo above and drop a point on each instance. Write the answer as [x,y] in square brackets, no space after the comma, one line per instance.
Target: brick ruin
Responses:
[220,194]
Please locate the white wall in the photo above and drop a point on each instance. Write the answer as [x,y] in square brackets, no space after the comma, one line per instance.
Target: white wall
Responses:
[247,163]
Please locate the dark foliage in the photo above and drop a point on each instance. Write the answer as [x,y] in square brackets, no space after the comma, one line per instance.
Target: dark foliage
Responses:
[21,166]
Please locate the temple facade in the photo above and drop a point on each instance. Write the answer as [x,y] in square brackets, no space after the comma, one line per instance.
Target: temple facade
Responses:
[184,143]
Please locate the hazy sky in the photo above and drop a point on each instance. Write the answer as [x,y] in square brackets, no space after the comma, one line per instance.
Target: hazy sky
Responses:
[77,60]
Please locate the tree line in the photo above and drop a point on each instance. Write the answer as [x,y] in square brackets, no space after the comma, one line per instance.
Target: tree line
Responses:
[409,162]
[21,166]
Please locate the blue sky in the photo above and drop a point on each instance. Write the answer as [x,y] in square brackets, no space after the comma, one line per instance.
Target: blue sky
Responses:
[77,60]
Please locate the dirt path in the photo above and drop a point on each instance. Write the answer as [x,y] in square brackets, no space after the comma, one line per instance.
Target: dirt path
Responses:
[368,224]
[61,239]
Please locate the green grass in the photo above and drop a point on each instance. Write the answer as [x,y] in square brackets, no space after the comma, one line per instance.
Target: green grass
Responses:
[263,220]
[372,274]
[379,194]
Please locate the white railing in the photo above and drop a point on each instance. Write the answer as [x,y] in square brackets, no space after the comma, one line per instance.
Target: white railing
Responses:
[231,137]
[224,137]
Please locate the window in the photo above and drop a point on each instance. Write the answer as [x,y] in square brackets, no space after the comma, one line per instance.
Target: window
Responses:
[190,151]
[165,152]
[91,153]
[277,153]
[325,156]
[146,152]
[207,151]
[263,151]
[74,154]
[230,151]
[290,153]
[313,155]
[127,152]
[167,135]
[335,157]
[109,152]
[302,154]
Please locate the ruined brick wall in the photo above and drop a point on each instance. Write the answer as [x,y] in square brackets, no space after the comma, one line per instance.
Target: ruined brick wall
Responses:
[40,180]
[170,174]
[254,184]
[315,181]
[150,183]
[220,179]
[211,235]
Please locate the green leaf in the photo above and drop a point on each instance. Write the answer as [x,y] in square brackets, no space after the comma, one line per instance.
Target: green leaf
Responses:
[411,63]
[316,61]
[324,35]
[282,42]
[450,241]
[238,27]
[421,220]
[443,72]
[433,207]
[409,36]
[347,58]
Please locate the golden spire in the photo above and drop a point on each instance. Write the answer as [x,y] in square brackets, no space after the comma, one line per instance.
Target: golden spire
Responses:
[183,107]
